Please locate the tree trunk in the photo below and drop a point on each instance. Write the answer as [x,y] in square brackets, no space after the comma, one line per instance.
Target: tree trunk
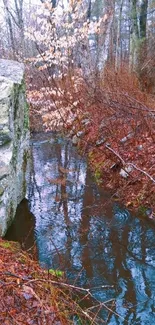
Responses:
[142,50]
[134,36]
[118,41]
[104,37]
[10,28]
[20,24]
[138,48]
[143,18]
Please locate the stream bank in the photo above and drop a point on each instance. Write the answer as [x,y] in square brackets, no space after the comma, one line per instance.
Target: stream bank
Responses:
[108,159]
[32,295]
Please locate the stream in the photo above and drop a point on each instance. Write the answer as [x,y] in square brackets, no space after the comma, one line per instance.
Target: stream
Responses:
[78,229]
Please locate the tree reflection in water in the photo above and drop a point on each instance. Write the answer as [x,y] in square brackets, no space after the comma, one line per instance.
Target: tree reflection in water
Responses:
[96,242]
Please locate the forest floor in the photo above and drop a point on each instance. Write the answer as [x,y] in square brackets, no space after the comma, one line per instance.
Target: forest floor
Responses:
[27,296]
[31,295]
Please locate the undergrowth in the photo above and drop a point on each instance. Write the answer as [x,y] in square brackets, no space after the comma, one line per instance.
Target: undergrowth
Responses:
[118,112]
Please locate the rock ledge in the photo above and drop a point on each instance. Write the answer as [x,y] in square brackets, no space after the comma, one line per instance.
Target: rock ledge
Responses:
[14,140]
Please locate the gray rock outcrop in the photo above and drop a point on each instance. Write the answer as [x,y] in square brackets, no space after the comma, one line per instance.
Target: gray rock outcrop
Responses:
[14,140]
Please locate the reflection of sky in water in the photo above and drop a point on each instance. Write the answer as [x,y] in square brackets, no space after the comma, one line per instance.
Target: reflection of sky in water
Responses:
[55,216]
[95,246]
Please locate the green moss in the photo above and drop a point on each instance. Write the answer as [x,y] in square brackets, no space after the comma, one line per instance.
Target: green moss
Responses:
[98,175]
[142,210]
[18,133]
[10,245]
[14,156]
[25,158]
[56,272]
[98,171]
[90,155]
[11,209]
[11,213]
[20,89]
[1,190]
[22,259]
[16,99]
[5,244]
[26,116]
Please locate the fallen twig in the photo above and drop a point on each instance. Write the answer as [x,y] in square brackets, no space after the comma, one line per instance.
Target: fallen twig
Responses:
[130,164]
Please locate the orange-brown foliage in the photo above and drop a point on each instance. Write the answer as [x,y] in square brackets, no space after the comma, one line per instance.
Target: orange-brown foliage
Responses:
[118,110]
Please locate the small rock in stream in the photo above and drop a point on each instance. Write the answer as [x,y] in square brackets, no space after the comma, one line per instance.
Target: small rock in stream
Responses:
[126,171]
[149,213]
[75,140]
[102,125]
[100,142]
[80,134]
[129,136]
[71,133]
[140,147]
[86,122]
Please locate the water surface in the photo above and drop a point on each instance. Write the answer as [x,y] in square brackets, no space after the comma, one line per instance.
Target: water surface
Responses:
[79,230]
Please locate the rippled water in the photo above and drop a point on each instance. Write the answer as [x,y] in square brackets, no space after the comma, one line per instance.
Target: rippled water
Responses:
[80,231]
